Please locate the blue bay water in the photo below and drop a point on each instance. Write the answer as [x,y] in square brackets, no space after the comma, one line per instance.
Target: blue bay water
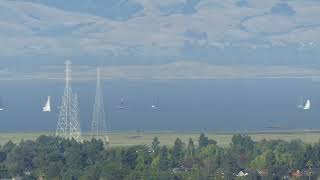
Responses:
[183,105]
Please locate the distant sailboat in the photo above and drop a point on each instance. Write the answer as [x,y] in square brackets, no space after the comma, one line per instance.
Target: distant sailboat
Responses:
[307,105]
[121,106]
[1,105]
[47,107]
[155,105]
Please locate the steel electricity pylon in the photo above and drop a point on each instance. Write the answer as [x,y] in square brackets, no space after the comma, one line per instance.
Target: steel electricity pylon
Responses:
[99,128]
[68,124]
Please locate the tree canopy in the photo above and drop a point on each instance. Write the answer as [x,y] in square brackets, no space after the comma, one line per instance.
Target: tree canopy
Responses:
[55,158]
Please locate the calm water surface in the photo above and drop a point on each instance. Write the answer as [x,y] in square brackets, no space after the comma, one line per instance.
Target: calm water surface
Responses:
[183,105]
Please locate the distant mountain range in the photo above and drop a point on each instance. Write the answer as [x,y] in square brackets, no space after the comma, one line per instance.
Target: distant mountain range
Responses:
[151,32]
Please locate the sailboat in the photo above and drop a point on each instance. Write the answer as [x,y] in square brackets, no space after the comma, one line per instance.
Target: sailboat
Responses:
[155,105]
[47,107]
[307,105]
[121,106]
[1,105]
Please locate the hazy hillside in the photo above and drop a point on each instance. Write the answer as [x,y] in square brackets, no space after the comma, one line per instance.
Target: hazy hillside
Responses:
[156,32]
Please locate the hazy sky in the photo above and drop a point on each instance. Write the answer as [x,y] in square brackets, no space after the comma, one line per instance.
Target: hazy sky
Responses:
[36,33]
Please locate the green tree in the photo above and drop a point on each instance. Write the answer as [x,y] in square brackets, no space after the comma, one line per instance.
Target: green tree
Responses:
[90,173]
[316,152]
[20,159]
[203,141]
[155,167]
[264,161]
[4,173]
[155,145]
[54,170]
[212,142]
[259,162]
[178,152]
[129,157]
[8,147]
[164,162]
[270,158]
[93,150]
[111,161]
[242,146]
[141,164]
[190,150]
[297,148]
[3,156]
[309,154]
[74,156]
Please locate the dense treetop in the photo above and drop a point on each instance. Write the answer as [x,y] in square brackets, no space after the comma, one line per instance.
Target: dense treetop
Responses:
[55,158]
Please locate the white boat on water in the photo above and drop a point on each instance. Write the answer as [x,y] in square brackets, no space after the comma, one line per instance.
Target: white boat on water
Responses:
[1,105]
[155,105]
[121,106]
[47,107]
[307,105]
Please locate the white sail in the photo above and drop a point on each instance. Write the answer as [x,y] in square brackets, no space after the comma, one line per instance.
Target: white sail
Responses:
[1,105]
[155,105]
[121,105]
[47,107]
[307,105]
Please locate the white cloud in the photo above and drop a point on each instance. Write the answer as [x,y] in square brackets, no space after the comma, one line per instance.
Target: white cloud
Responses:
[270,24]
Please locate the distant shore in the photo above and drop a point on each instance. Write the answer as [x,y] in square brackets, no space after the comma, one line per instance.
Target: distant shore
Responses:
[130,138]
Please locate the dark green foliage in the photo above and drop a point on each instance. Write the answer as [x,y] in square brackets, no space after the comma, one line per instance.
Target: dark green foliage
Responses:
[21,157]
[3,156]
[211,141]
[55,158]
[178,152]
[90,173]
[242,147]
[129,157]
[8,147]
[155,145]
[4,173]
[54,170]
[203,141]
[164,162]
[190,152]
[309,154]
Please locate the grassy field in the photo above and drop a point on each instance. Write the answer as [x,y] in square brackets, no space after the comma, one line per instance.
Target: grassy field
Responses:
[167,138]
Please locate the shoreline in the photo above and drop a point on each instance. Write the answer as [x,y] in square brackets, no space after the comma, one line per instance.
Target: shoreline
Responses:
[131,138]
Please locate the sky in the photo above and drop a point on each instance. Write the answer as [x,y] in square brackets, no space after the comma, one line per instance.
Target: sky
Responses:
[164,39]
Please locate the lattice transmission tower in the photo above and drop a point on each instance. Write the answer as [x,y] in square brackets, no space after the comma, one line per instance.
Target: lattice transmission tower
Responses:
[68,124]
[99,128]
